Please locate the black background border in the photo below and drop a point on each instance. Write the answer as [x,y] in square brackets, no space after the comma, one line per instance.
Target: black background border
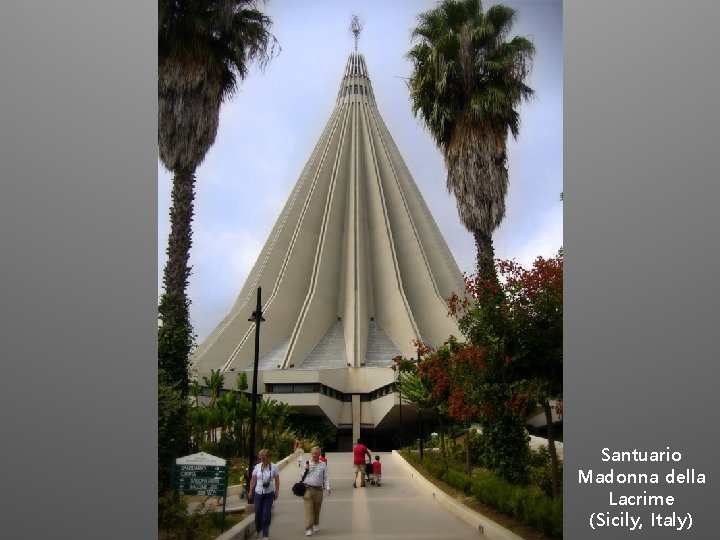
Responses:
[78,159]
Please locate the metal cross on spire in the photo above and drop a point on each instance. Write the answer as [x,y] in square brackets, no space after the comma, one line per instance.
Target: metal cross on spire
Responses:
[356,26]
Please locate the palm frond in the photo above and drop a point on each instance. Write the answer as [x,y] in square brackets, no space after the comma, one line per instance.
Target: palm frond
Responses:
[467,83]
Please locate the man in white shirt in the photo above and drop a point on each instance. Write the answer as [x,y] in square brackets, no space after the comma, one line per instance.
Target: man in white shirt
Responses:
[316,479]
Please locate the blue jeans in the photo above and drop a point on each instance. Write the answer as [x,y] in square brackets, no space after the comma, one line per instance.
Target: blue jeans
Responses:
[263,508]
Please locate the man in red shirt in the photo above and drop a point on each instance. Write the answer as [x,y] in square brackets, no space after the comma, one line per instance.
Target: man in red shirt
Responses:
[359,453]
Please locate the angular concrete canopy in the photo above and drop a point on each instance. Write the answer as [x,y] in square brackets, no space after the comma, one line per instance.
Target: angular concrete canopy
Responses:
[354,271]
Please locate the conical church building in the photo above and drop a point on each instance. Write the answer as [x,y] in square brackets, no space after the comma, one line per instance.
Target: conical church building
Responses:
[354,273]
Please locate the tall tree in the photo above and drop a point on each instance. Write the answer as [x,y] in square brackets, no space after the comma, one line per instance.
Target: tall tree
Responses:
[466,85]
[535,314]
[204,48]
[520,368]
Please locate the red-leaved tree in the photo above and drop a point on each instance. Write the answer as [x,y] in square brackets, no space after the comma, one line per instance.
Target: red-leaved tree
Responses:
[524,329]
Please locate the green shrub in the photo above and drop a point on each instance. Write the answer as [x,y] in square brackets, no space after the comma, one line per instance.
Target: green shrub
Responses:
[201,525]
[315,431]
[436,468]
[544,514]
[542,477]
[175,521]
[477,447]
[527,504]
[285,445]
[458,480]
[539,457]
[172,511]
[237,470]
[506,449]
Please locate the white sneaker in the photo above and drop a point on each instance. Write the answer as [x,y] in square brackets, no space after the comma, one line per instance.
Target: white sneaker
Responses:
[315,528]
[308,533]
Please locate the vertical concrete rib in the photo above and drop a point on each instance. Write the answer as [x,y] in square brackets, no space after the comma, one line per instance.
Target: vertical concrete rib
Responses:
[269,267]
[393,310]
[290,284]
[416,267]
[314,330]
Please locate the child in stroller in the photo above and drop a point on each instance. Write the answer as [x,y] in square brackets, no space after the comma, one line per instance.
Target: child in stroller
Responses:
[373,471]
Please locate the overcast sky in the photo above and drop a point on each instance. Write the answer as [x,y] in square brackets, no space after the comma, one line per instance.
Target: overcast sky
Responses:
[268,130]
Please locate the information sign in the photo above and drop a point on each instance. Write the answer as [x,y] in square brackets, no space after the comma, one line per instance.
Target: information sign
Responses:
[200,474]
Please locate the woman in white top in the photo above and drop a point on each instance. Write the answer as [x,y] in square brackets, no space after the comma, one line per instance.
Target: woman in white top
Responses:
[264,489]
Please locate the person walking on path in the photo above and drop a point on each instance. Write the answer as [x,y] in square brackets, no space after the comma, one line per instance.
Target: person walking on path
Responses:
[264,489]
[359,453]
[316,479]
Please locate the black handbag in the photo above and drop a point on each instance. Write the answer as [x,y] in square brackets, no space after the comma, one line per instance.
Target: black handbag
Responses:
[299,487]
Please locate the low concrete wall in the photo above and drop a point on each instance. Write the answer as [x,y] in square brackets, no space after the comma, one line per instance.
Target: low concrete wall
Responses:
[243,530]
[485,526]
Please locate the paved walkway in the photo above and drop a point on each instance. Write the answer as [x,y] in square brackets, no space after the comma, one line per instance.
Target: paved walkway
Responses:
[405,507]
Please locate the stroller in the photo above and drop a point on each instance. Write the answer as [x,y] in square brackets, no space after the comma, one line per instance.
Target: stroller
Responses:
[369,477]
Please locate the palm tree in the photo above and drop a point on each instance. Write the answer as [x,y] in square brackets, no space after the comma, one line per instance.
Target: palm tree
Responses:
[226,408]
[195,391]
[204,46]
[199,418]
[214,384]
[241,381]
[466,84]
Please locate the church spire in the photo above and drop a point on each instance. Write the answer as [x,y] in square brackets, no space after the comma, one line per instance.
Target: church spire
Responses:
[356,26]
[354,273]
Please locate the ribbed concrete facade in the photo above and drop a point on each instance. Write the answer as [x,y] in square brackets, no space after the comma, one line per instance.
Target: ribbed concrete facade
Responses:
[354,271]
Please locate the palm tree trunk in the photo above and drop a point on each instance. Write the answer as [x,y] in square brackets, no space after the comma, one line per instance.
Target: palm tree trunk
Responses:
[485,256]
[555,476]
[176,334]
[487,273]
[177,270]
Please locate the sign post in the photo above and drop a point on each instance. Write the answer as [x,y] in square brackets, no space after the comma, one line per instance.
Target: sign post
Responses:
[201,474]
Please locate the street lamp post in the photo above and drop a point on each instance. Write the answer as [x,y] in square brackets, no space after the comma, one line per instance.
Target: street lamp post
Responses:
[258,318]
[400,392]
[420,422]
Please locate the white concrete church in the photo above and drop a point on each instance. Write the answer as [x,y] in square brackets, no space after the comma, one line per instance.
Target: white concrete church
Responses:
[354,271]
